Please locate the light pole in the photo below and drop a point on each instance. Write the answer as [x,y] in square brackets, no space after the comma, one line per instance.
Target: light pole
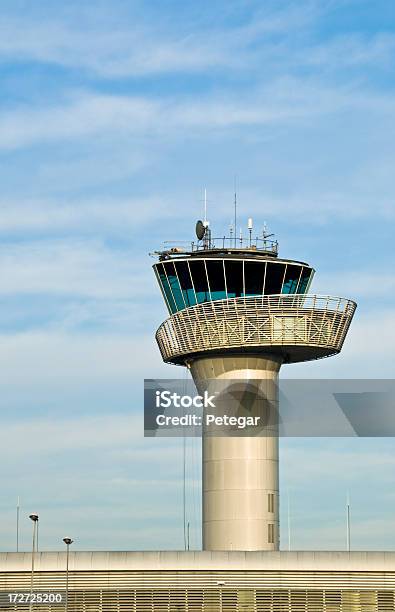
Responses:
[33,517]
[67,541]
[17,524]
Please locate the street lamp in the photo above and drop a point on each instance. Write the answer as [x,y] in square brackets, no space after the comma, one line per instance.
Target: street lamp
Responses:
[67,541]
[33,517]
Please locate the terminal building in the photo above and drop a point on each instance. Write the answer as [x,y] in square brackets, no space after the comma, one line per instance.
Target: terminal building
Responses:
[237,312]
[209,581]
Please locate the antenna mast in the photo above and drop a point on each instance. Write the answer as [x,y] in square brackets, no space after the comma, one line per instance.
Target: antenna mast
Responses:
[348,523]
[289,522]
[235,203]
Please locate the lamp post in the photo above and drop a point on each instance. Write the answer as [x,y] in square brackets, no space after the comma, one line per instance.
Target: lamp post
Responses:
[17,524]
[33,517]
[67,541]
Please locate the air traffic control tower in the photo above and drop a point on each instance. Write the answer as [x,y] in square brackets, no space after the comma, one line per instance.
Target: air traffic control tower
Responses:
[237,313]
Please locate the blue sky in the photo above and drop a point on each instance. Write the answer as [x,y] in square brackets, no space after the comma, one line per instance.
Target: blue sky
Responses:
[114,116]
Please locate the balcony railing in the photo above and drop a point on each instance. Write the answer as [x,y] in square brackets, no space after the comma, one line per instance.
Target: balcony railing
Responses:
[298,327]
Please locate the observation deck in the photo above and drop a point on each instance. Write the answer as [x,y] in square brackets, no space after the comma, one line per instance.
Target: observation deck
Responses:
[233,295]
[296,327]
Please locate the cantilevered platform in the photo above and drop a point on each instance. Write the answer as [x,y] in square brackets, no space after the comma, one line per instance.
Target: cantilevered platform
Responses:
[296,327]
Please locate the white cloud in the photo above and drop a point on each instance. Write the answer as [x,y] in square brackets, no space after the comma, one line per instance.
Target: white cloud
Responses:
[85,216]
[52,362]
[82,116]
[114,52]
[45,436]
[352,50]
[118,435]
[359,284]
[87,114]
[75,470]
[73,267]
[347,465]
[116,45]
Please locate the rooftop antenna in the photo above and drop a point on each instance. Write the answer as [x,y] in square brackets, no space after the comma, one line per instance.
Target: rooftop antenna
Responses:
[250,229]
[235,204]
[205,207]
[348,523]
[289,521]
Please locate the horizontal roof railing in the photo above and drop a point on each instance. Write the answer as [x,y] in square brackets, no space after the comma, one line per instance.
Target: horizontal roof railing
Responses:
[222,243]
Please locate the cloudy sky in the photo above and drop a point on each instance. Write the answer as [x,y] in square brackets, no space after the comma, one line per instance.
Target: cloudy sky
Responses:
[114,116]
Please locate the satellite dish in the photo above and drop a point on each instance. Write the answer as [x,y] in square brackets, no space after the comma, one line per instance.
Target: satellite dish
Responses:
[200,230]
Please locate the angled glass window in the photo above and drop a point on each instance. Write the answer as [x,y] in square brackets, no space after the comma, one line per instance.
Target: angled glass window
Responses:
[291,280]
[216,279]
[199,279]
[174,285]
[304,280]
[234,278]
[254,276]
[186,283]
[166,288]
[274,278]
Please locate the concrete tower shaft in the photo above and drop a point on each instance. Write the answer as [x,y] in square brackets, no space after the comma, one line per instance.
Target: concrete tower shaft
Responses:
[240,474]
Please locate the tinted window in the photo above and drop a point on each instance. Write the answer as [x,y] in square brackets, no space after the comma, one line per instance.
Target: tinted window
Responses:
[291,279]
[216,279]
[304,280]
[199,278]
[174,285]
[234,278]
[274,278]
[186,283]
[254,275]
[166,288]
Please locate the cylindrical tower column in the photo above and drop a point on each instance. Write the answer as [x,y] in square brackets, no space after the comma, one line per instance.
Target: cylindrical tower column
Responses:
[240,474]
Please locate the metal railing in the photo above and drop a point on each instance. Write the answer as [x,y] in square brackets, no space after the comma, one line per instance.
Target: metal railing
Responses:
[222,243]
[300,327]
[242,242]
